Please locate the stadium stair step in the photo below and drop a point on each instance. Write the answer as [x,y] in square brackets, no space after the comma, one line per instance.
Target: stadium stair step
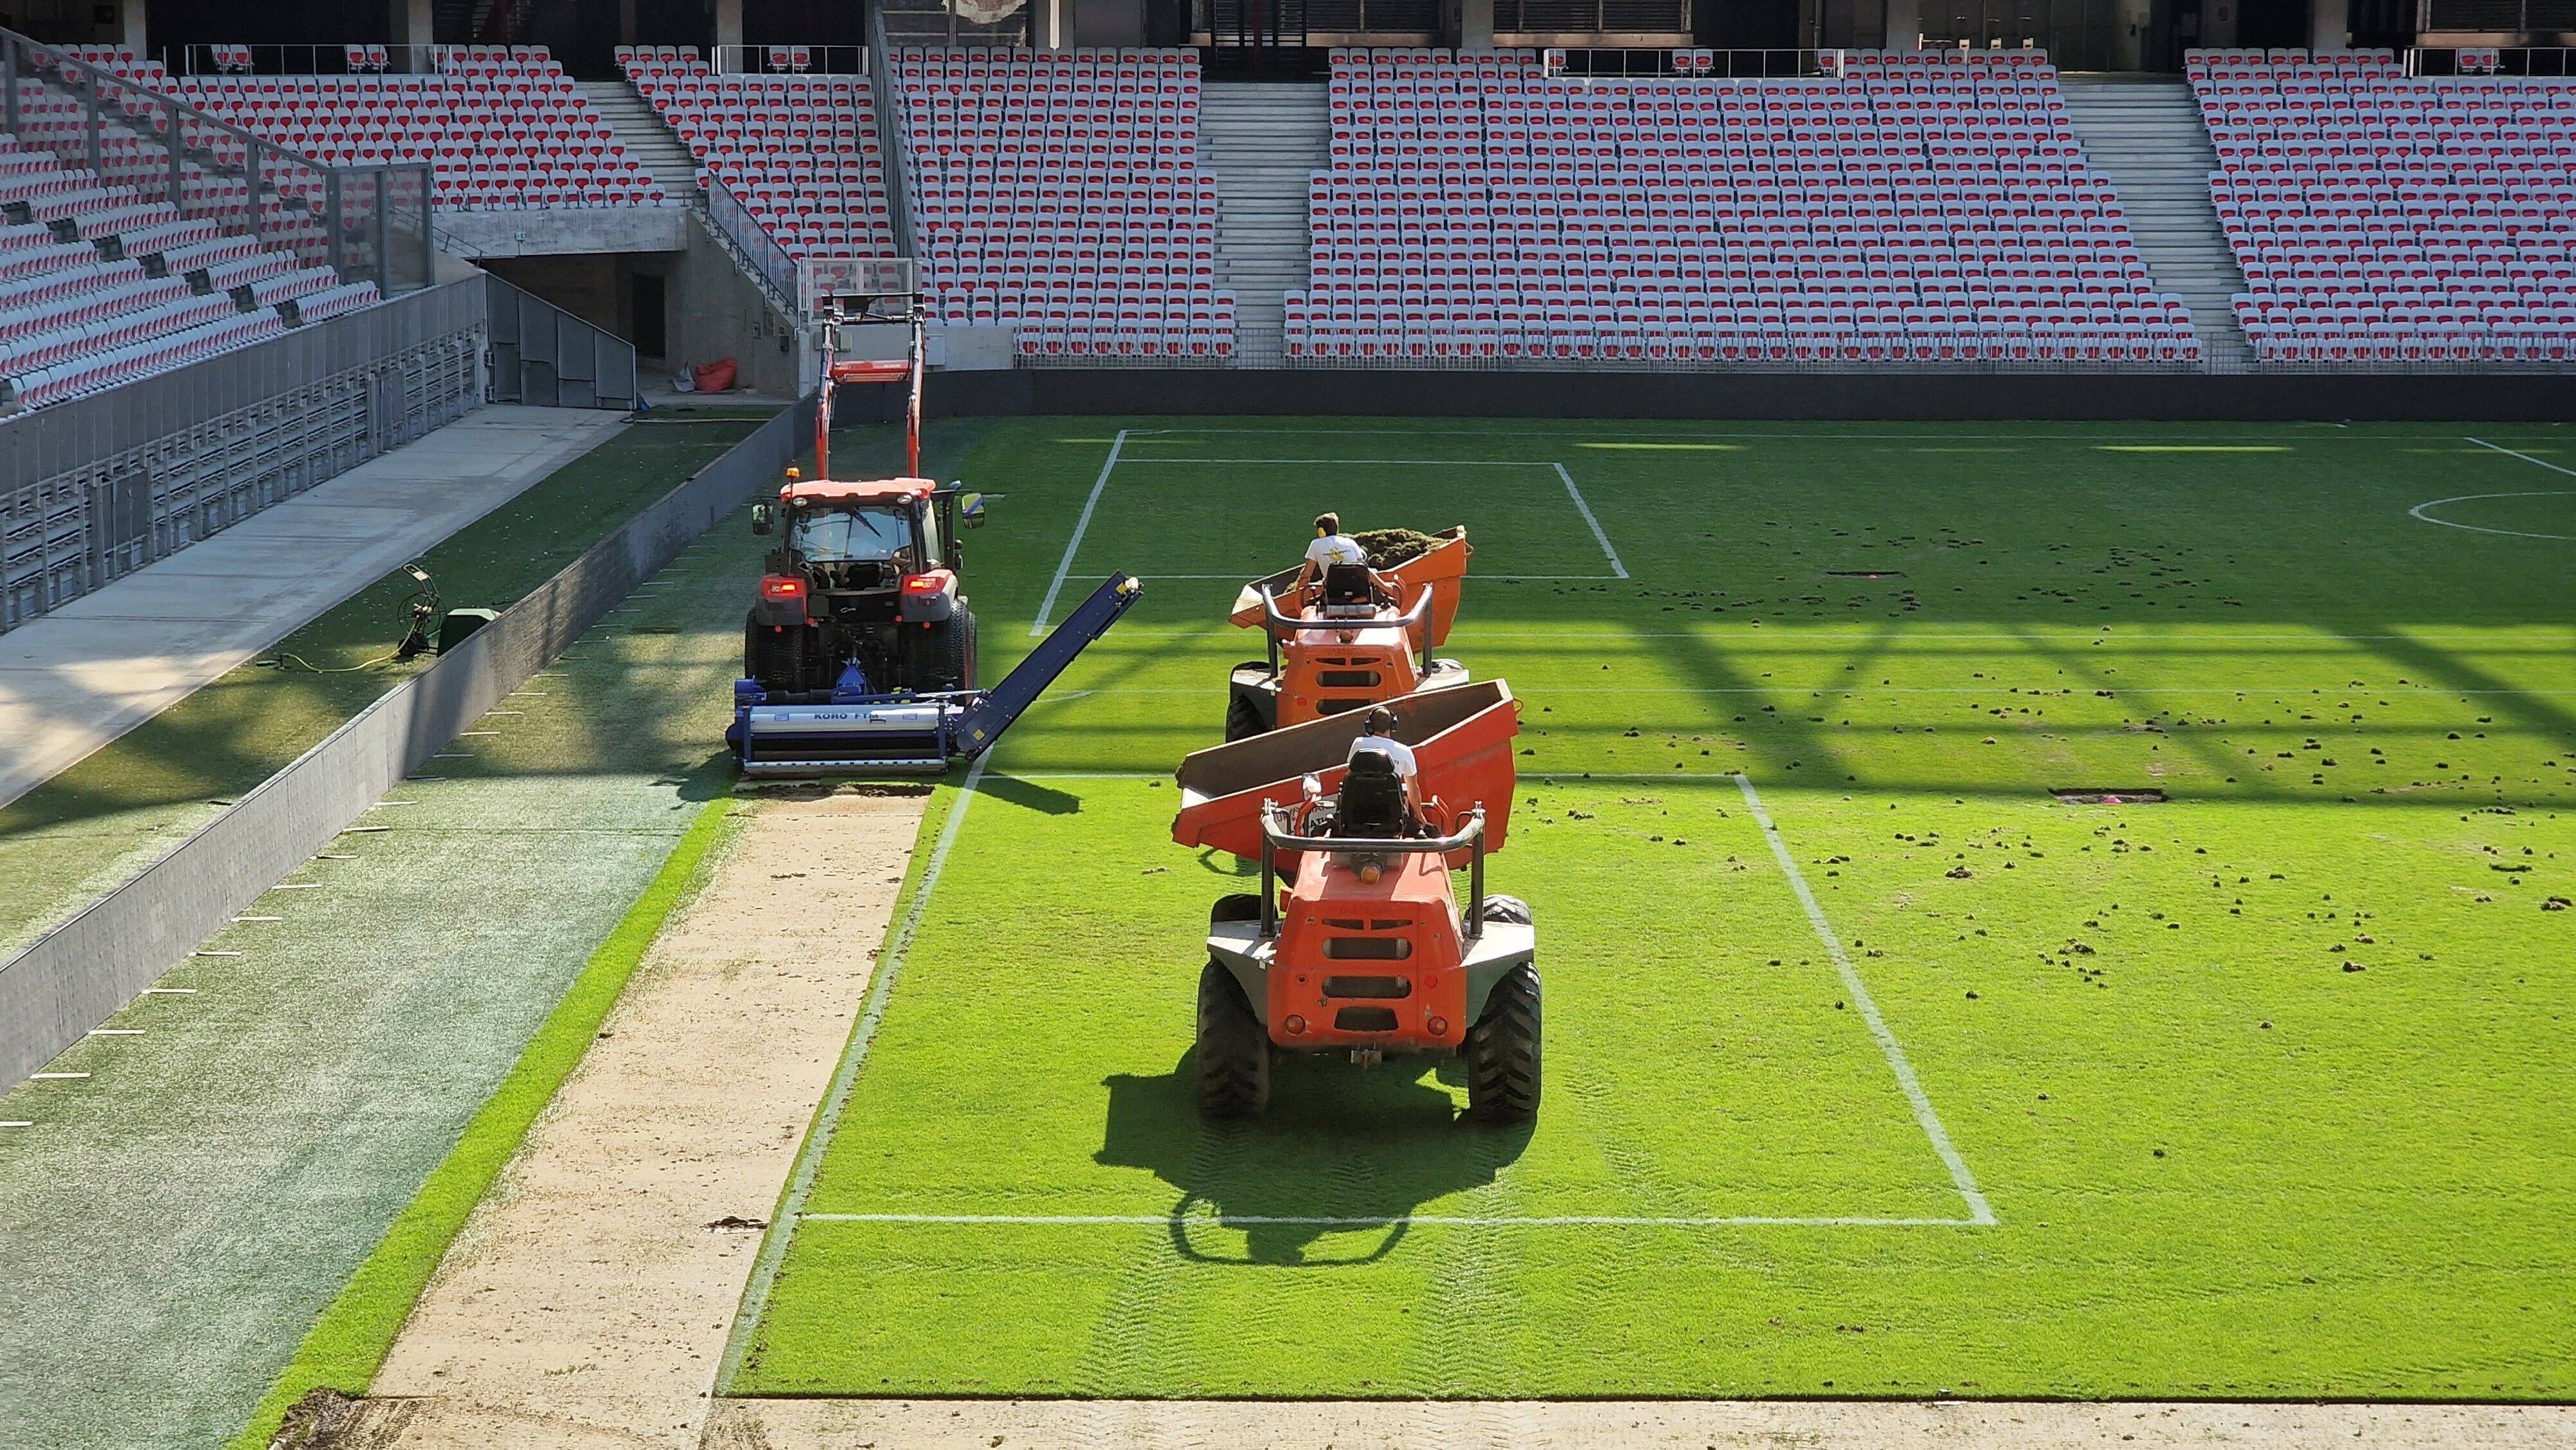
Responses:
[1263,142]
[2146,135]
[645,136]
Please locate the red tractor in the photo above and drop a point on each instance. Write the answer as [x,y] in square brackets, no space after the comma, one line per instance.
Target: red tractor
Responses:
[861,596]
[1344,643]
[1356,942]
[859,650]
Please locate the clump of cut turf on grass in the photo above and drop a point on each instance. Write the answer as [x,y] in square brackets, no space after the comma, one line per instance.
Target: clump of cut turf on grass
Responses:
[1387,548]
[2088,796]
[315,1421]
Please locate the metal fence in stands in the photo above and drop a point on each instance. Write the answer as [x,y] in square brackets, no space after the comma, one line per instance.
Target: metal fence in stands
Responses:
[370,223]
[790,60]
[2479,61]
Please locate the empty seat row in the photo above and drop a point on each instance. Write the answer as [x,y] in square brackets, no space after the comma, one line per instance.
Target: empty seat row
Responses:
[112,284]
[2381,217]
[800,153]
[1913,208]
[1061,195]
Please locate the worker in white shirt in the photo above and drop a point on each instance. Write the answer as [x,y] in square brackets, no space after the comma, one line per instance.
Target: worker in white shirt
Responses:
[1377,732]
[1332,546]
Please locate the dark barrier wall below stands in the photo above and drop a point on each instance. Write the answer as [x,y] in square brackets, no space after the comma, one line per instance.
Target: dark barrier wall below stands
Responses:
[70,979]
[1895,397]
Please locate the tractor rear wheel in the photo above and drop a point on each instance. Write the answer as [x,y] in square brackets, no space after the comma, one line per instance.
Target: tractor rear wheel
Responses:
[775,657]
[1233,1055]
[1503,1051]
[943,656]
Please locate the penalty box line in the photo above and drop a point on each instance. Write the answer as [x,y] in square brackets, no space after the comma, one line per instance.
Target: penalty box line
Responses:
[1981,1214]
[1417,1220]
[1118,447]
[1979,1211]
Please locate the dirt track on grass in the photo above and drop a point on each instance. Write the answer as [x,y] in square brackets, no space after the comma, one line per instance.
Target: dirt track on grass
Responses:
[1648,1425]
[586,1302]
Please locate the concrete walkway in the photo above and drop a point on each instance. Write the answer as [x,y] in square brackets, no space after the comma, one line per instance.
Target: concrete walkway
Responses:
[77,678]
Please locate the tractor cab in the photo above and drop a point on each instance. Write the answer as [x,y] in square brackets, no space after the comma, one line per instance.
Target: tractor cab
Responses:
[863,573]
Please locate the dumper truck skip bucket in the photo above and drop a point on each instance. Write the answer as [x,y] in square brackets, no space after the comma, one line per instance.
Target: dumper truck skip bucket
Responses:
[1442,568]
[1462,750]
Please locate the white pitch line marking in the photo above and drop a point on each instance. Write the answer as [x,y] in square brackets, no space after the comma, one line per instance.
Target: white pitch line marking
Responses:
[1082,525]
[259,918]
[1359,462]
[16,1123]
[177,991]
[56,1076]
[1930,1121]
[1585,509]
[462,734]
[1231,1220]
[304,885]
[203,953]
[1481,578]
[362,830]
[809,1159]
[2417,512]
[393,803]
[114,1032]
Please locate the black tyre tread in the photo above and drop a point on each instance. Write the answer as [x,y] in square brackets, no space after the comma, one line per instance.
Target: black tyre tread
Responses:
[962,655]
[1232,1061]
[1236,906]
[1503,1056]
[1510,910]
[1242,719]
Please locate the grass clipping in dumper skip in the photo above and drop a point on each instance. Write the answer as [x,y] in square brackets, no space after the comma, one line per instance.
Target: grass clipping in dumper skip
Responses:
[1390,547]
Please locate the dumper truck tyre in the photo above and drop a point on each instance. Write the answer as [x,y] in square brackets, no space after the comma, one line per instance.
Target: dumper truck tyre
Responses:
[1235,906]
[1507,910]
[1233,1052]
[1503,1050]
[1242,718]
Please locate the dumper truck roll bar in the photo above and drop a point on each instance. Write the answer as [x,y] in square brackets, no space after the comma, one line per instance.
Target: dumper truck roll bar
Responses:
[1277,837]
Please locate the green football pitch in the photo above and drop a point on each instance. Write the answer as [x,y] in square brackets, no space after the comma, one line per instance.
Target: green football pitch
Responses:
[1873,1067]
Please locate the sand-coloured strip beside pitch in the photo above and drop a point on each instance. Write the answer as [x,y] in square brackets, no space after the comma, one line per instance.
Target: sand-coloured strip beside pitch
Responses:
[838,1424]
[586,1303]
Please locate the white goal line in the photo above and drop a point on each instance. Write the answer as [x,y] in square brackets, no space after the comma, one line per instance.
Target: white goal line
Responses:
[1427,1220]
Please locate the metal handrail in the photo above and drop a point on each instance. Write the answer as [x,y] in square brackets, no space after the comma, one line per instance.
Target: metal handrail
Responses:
[769,261]
[1415,622]
[820,60]
[178,121]
[1275,837]
[2489,62]
[884,100]
[307,59]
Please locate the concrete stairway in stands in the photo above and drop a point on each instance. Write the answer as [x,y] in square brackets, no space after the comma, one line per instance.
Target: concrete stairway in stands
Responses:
[2145,133]
[646,138]
[1263,141]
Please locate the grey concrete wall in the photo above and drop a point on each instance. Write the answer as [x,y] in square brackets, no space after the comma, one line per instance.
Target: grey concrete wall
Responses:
[718,312]
[592,287]
[75,976]
[553,230]
[2330,29]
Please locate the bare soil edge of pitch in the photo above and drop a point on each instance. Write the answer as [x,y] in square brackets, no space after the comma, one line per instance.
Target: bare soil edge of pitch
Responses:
[850,1424]
[586,1302]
